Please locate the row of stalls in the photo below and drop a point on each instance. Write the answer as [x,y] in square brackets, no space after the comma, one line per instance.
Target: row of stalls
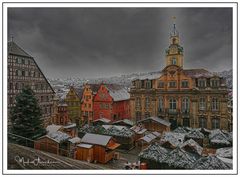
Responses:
[185,148]
[91,147]
[128,135]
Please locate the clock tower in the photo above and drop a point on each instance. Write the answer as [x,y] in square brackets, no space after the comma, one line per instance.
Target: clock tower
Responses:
[174,53]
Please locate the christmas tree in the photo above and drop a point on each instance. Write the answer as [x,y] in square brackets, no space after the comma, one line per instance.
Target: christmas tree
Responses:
[26,116]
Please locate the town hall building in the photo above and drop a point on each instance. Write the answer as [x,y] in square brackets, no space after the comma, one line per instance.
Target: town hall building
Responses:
[185,97]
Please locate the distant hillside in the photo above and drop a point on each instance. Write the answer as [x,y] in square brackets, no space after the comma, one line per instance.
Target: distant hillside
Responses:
[61,85]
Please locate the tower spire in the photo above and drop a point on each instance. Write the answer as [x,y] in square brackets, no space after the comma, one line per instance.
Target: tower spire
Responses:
[174,31]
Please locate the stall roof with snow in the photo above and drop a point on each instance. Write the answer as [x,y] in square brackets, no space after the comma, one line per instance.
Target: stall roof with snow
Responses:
[195,134]
[192,147]
[179,158]
[154,152]
[53,128]
[156,119]
[172,139]
[210,162]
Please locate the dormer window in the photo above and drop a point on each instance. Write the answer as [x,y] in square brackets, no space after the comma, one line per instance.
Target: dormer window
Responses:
[172,84]
[148,84]
[214,83]
[174,61]
[201,83]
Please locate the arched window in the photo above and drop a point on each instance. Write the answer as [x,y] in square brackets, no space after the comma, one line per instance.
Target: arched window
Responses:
[172,104]
[215,104]
[174,61]
[185,104]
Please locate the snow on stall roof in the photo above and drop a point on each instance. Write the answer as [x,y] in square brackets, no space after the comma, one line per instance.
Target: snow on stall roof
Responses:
[70,125]
[210,162]
[176,139]
[148,138]
[105,120]
[156,119]
[219,137]
[226,152]
[118,92]
[179,158]
[96,139]
[53,128]
[157,134]
[126,121]
[59,136]
[138,129]
[107,126]
[197,148]
[108,130]
[227,161]
[180,130]
[195,134]
[154,152]
[85,145]
[75,140]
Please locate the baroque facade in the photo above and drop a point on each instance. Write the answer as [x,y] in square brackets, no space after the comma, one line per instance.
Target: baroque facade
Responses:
[185,97]
[24,71]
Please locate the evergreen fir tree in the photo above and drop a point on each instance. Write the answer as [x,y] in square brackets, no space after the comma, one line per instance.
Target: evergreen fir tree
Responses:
[26,116]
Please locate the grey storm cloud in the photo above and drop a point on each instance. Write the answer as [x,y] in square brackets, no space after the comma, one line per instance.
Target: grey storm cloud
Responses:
[96,42]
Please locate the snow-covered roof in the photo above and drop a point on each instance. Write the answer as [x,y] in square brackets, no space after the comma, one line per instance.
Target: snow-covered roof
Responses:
[226,152]
[193,144]
[53,128]
[156,119]
[59,136]
[90,138]
[138,129]
[195,134]
[227,161]
[85,145]
[105,120]
[175,139]
[157,134]
[210,162]
[75,140]
[148,138]
[118,92]
[126,121]
[149,76]
[180,130]
[154,152]
[219,137]
[111,130]
[70,126]
[179,158]
[106,126]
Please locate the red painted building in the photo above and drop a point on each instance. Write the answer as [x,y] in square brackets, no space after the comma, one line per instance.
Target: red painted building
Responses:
[111,102]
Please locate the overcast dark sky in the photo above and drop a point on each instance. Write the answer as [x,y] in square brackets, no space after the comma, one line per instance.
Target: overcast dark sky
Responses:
[96,42]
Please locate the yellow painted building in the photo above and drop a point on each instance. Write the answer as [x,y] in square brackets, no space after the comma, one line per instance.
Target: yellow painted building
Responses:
[73,100]
[185,97]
